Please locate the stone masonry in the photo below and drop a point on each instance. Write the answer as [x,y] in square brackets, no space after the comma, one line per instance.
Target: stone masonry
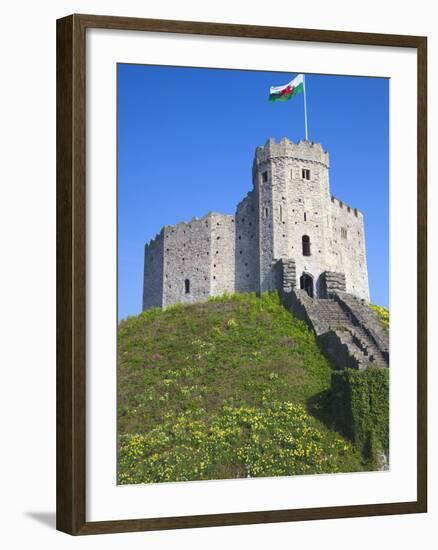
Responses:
[347,329]
[288,228]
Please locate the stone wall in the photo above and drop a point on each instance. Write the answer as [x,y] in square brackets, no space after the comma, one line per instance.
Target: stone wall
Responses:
[247,245]
[334,282]
[222,254]
[187,249]
[286,275]
[347,247]
[263,183]
[153,273]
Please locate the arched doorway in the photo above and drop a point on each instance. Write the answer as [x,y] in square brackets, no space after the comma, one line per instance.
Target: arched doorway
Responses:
[306,283]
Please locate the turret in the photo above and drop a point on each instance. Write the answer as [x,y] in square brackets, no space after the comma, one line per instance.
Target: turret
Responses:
[292,187]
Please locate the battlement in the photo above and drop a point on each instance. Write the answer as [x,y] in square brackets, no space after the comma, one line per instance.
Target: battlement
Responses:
[349,209]
[194,223]
[156,240]
[302,151]
[243,203]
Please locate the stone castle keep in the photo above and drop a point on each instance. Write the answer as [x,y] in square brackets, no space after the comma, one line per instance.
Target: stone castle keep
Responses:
[289,233]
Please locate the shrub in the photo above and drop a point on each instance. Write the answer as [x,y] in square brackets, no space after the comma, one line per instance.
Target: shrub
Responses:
[360,408]
[383,314]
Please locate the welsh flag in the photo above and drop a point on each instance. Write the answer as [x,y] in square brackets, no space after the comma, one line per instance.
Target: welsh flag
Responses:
[283,93]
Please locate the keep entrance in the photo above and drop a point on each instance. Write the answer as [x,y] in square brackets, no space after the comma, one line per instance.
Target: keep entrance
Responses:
[306,283]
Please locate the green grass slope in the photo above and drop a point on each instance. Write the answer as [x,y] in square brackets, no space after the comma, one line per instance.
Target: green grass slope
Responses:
[220,390]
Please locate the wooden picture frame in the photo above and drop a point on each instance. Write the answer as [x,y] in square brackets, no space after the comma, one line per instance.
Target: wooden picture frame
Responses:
[71,273]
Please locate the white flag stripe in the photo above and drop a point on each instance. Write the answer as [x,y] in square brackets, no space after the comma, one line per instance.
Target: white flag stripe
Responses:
[295,82]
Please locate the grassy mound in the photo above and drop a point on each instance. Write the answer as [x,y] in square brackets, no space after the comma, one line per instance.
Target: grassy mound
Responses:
[219,390]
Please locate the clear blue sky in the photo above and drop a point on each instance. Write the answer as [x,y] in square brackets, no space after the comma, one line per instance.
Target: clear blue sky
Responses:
[186,140]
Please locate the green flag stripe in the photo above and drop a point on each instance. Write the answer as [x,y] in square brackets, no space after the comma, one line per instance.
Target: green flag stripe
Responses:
[286,97]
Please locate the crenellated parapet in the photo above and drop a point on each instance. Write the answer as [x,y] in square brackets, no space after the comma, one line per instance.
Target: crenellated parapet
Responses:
[301,151]
[348,209]
[156,241]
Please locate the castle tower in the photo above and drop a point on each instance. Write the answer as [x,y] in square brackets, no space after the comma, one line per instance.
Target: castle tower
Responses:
[292,187]
[289,231]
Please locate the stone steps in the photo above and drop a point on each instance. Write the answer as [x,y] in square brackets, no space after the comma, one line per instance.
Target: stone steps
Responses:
[356,338]
[346,328]
[375,356]
[367,347]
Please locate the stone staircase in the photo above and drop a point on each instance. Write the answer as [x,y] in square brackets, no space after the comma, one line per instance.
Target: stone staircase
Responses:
[332,313]
[347,329]
[358,341]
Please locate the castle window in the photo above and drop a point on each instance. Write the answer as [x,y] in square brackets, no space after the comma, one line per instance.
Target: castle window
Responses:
[341,204]
[281,213]
[305,217]
[343,233]
[333,198]
[349,209]
[306,245]
[355,212]
[265,177]
[266,212]
[305,173]
[187,286]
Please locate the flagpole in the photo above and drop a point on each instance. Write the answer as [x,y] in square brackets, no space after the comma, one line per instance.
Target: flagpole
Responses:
[305,105]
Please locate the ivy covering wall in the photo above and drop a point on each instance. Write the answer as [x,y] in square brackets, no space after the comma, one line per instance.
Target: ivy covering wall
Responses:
[360,408]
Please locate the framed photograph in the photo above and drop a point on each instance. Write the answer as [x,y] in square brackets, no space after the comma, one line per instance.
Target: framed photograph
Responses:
[241,274]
